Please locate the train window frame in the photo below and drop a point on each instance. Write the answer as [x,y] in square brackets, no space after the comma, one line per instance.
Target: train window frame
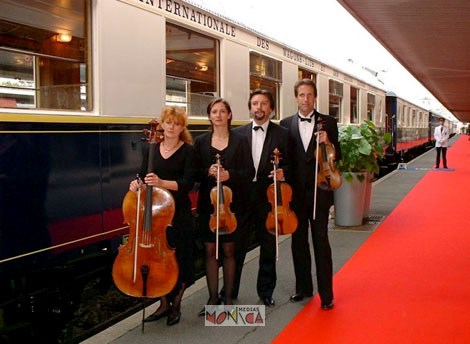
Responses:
[43,69]
[306,74]
[354,105]
[269,78]
[335,99]
[180,83]
[370,106]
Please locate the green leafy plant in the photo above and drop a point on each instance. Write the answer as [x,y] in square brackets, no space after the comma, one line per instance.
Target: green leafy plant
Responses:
[361,147]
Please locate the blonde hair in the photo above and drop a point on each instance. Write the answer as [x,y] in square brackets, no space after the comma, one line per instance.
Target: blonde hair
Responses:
[178,115]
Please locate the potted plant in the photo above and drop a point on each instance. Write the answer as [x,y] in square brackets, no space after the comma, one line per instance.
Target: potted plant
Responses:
[361,148]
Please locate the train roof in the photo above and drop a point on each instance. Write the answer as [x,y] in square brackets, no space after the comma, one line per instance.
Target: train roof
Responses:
[429,39]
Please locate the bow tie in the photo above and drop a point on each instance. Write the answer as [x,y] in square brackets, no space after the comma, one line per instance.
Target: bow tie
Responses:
[257,127]
[309,120]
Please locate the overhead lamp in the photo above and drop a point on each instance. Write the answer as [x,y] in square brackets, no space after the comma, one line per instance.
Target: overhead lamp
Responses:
[202,68]
[64,37]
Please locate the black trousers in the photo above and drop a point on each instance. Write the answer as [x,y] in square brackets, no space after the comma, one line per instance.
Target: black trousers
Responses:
[444,156]
[321,248]
[253,223]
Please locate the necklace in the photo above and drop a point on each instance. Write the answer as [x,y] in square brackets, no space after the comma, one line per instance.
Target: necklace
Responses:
[167,150]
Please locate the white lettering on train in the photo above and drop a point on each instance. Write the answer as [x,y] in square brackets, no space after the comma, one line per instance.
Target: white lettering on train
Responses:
[191,14]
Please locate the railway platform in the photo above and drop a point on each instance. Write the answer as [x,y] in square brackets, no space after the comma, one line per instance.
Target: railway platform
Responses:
[386,194]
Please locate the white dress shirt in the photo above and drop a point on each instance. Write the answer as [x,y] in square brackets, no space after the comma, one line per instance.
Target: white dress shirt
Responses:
[258,137]
[306,129]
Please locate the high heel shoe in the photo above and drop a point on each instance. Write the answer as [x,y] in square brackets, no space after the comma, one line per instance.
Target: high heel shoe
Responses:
[170,321]
[202,312]
[155,317]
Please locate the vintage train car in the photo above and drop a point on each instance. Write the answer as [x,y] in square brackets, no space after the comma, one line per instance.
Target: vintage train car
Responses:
[79,80]
[412,128]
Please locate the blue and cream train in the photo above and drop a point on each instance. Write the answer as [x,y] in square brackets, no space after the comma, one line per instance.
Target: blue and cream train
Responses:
[79,80]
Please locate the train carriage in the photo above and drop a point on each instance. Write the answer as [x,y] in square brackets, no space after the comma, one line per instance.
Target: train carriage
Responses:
[79,80]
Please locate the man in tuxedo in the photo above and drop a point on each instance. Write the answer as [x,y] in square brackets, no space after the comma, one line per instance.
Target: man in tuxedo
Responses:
[441,135]
[264,136]
[303,131]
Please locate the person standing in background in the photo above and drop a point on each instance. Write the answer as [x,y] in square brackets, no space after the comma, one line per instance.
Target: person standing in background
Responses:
[441,135]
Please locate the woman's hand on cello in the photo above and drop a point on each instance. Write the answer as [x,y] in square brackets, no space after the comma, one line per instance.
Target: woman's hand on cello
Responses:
[135,185]
[152,179]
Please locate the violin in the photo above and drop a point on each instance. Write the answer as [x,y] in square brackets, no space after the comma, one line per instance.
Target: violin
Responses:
[222,221]
[146,266]
[281,219]
[328,177]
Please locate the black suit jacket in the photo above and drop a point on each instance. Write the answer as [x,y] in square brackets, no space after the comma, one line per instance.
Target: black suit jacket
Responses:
[236,158]
[301,173]
[276,137]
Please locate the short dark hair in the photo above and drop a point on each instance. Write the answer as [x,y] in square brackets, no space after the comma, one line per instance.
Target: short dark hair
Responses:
[264,92]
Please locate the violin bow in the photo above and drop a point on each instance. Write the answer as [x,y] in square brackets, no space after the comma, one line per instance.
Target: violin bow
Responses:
[137,226]
[275,207]
[316,174]
[217,210]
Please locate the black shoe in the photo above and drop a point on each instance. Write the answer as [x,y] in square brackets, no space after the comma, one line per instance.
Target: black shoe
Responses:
[173,320]
[327,306]
[202,312]
[299,296]
[268,301]
[155,317]
[222,296]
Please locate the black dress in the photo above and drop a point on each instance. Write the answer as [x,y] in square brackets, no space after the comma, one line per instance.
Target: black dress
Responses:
[236,158]
[180,168]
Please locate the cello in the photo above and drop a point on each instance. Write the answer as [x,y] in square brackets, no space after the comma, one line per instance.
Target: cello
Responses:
[222,221]
[146,266]
[281,219]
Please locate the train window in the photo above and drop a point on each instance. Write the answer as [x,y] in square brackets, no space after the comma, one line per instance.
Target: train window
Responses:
[191,69]
[266,73]
[335,99]
[354,118]
[401,111]
[44,59]
[305,74]
[370,106]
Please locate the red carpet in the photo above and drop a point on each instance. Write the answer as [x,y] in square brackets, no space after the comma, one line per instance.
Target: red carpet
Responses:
[410,281]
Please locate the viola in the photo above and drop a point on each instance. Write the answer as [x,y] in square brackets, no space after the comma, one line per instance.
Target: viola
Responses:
[222,220]
[146,266]
[328,176]
[281,219]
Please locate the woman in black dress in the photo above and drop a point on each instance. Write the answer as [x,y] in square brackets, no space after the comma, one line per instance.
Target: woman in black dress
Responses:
[235,172]
[174,171]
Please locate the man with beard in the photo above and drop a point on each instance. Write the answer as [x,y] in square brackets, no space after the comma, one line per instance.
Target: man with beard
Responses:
[264,136]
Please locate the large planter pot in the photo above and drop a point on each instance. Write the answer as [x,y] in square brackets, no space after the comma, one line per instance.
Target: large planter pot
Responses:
[349,202]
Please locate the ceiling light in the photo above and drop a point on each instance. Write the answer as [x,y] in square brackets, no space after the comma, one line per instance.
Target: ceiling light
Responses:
[64,37]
